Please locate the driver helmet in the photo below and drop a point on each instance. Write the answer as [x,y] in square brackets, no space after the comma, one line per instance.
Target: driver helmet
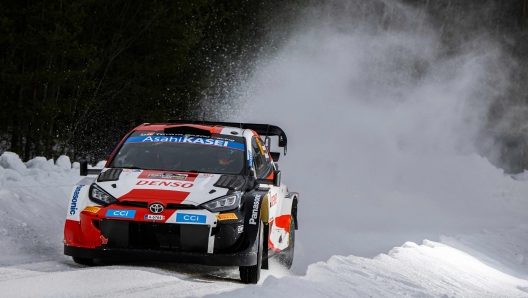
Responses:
[225,157]
[169,158]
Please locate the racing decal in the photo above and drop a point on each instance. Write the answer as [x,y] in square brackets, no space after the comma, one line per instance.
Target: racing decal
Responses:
[250,158]
[254,212]
[186,139]
[273,200]
[153,217]
[252,202]
[163,196]
[73,205]
[104,240]
[168,175]
[120,213]
[216,129]
[283,222]
[260,146]
[226,216]
[164,183]
[190,218]
[91,209]
[131,170]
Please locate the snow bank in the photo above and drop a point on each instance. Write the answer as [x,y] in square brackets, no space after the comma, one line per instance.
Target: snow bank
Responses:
[10,160]
[33,199]
[429,270]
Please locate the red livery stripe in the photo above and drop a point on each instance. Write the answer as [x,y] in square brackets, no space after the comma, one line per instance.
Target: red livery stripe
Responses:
[157,195]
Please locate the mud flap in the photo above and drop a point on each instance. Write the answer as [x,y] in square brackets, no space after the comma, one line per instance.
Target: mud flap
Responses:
[252,208]
[265,247]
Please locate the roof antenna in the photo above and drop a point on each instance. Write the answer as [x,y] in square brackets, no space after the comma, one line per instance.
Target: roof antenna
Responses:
[203,118]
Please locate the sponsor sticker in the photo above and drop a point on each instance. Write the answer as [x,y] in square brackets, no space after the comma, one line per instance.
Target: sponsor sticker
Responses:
[226,216]
[73,206]
[168,176]
[92,209]
[240,229]
[154,217]
[273,200]
[186,139]
[254,212]
[104,240]
[192,218]
[164,183]
[121,213]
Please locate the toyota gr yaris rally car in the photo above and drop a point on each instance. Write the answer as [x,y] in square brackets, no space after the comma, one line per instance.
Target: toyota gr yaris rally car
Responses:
[197,192]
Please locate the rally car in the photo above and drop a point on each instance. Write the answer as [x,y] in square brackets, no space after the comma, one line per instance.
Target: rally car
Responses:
[187,191]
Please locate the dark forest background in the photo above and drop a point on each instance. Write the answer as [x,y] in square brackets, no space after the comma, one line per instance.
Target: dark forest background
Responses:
[76,75]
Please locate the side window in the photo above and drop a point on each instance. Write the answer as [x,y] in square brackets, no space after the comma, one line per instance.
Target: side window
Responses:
[260,162]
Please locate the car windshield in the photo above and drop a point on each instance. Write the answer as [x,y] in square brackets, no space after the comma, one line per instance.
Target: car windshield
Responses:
[178,152]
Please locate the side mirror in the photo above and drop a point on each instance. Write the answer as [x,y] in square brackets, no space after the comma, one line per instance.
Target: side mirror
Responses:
[275,156]
[83,167]
[277,178]
[84,171]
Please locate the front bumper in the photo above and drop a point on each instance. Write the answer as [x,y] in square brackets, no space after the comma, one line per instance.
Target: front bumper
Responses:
[215,241]
[236,259]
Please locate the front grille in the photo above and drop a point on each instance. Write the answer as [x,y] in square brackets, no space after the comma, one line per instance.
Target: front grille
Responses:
[157,236]
[154,235]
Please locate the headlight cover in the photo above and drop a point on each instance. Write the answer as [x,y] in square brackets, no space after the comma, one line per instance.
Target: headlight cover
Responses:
[224,203]
[99,196]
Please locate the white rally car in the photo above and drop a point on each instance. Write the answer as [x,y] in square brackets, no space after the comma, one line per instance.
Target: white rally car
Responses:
[187,191]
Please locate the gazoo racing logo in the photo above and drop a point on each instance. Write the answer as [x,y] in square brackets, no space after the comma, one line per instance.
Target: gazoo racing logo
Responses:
[73,206]
[254,213]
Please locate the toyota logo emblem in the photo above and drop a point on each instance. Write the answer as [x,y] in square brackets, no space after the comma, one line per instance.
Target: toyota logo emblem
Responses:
[156,208]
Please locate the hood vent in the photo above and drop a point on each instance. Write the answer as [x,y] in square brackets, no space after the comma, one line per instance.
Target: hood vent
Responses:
[230,181]
[110,175]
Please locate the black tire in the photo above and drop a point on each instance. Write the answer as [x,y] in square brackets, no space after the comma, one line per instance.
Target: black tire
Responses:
[83,261]
[285,257]
[251,274]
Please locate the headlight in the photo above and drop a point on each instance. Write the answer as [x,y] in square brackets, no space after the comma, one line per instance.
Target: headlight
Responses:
[99,196]
[228,202]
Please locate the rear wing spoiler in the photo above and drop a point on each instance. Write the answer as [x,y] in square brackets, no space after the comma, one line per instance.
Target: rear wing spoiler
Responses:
[262,129]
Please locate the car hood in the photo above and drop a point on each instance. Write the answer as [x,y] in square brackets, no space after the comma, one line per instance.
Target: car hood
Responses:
[166,187]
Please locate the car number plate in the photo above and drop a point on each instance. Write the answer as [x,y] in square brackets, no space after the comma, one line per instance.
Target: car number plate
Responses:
[154,217]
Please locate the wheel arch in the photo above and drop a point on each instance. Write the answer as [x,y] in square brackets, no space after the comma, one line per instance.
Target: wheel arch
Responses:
[295,202]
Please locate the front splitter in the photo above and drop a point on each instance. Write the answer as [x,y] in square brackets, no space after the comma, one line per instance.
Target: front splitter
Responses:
[236,259]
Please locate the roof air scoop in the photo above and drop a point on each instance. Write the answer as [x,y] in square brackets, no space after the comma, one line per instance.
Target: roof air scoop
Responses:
[187,130]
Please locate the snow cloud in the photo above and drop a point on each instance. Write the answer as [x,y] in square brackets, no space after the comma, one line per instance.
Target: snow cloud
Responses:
[382,118]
